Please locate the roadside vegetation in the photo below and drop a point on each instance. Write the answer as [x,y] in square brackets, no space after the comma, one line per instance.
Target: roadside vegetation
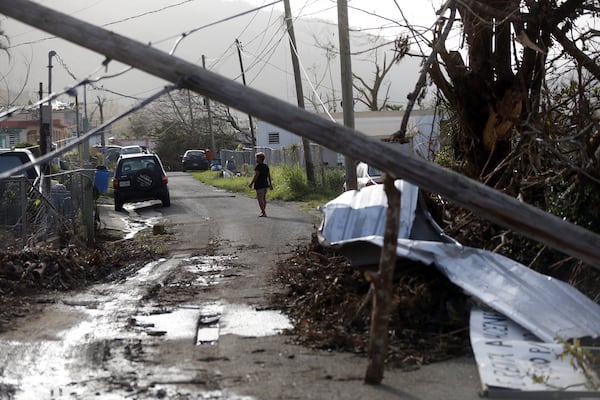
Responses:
[289,183]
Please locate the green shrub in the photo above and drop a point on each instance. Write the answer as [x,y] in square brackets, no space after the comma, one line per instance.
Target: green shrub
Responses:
[289,183]
[332,181]
[295,179]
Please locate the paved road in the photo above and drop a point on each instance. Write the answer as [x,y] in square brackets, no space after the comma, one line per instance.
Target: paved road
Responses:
[195,326]
[275,369]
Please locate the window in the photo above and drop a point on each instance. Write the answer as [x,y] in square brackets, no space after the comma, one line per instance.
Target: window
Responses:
[273,137]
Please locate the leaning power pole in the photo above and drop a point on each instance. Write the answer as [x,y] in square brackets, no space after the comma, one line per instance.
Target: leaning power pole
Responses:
[310,169]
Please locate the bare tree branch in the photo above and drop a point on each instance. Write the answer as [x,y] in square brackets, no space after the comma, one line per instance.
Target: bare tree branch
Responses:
[412,97]
[576,53]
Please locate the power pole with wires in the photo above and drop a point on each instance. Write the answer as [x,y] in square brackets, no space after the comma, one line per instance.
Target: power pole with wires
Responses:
[210,127]
[347,96]
[239,46]
[100,103]
[310,169]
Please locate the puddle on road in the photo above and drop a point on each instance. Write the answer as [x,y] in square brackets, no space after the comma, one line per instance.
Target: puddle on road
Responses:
[245,320]
[210,269]
[38,367]
[176,325]
[205,324]
[133,225]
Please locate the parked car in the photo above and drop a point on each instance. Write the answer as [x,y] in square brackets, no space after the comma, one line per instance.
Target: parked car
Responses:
[134,149]
[366,175]
[140,177]
[194,159]
[10,159]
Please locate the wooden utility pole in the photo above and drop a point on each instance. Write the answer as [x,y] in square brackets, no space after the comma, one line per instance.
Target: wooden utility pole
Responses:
[347,94]
[100,104]
[239,50]
[310,168]
[381,282]
[382,288]
[483,200]
[86,144]
[191,112]
[210,127]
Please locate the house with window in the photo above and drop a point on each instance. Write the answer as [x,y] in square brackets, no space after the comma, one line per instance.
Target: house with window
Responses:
[24,127]
[423,131]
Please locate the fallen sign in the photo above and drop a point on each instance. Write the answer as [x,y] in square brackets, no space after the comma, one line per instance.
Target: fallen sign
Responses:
[513,363]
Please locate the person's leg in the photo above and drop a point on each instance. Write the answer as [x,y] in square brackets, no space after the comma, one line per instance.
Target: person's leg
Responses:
[258,198]
[262,202]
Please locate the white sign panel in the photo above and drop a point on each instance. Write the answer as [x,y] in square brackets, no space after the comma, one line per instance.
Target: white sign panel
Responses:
[509,357]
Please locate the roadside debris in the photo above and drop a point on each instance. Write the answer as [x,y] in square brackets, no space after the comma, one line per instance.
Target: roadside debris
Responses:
[329,302]
[509,357]
[352,225]
[29,271]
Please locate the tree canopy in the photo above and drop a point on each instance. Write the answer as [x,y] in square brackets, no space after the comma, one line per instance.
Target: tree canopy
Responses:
[520,83]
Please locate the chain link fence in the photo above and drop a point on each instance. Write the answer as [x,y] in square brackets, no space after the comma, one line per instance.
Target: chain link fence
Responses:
[29,217]
[290,156]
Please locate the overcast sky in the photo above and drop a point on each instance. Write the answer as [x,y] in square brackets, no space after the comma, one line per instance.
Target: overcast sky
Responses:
[265,50]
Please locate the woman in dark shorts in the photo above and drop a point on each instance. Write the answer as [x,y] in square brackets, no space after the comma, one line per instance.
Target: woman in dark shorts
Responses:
[262,182]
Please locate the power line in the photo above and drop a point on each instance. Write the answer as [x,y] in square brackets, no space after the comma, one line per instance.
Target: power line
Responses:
[107,24]
[188,33]
[147,13]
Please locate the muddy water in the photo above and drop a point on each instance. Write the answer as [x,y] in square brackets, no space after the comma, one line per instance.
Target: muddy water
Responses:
[109,342]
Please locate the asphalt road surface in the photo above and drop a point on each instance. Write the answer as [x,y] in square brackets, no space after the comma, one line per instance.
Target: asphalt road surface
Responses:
[197,325]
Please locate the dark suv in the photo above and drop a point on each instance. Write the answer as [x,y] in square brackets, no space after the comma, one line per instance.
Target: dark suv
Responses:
[194,159]
[140,177]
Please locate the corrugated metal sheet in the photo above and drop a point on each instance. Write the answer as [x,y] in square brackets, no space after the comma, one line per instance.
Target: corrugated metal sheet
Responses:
[547,307]
[361,213]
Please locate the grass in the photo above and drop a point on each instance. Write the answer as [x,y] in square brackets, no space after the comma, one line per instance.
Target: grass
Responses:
[289,184]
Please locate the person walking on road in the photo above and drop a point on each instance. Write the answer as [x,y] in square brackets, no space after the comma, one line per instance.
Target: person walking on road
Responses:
[262,182]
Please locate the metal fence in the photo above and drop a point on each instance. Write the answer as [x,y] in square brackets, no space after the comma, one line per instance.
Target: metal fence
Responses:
[30,217]
[290,156]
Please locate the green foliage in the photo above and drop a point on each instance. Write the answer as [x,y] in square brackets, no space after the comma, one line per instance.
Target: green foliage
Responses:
[329,183]
[332,181]
[576,202]
[289,183]
[295,180]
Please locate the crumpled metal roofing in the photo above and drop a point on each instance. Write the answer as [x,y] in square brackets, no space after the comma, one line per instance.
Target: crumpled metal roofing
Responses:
[353,223]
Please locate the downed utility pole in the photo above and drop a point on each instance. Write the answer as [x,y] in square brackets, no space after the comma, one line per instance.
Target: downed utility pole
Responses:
[485,201]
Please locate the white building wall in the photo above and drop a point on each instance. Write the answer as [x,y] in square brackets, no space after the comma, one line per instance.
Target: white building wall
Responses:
[266,133]
[423,131]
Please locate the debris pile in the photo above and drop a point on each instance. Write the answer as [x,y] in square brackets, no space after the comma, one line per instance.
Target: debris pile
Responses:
[329,301]
[29,271]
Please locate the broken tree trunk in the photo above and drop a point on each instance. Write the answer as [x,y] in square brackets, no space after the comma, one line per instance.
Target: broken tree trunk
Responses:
[381,283]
